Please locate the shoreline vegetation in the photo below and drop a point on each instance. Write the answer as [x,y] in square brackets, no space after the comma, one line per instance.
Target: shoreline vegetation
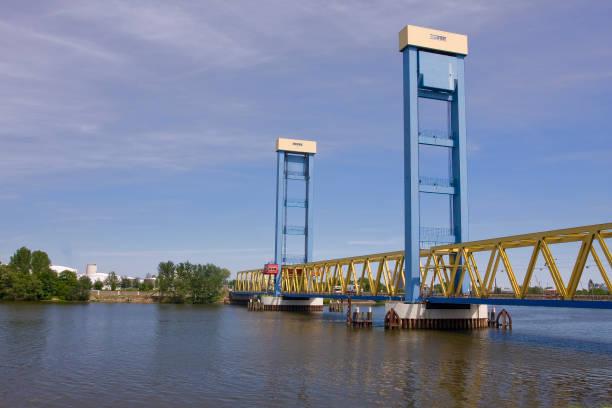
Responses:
[28,277]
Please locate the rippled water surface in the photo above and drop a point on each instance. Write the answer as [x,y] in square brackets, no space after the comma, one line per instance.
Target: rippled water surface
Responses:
[139,355]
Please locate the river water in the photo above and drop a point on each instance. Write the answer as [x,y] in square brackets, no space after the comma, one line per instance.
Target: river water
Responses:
[149,355]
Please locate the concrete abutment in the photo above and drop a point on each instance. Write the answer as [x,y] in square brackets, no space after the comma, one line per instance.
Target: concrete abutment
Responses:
[280,303]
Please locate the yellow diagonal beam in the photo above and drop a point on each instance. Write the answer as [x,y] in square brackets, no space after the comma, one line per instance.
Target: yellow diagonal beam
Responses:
[467,264]
[552,268]
[604,248]
[604,275]
[343,282]
[387,276]
[424,271]
[338,279]
[583,254]
[381,265]
[447,282]
[530,268]
[509,272]
[399,280]
[434,272]
[352,273]
[494,271]
[453,262]
[434,259]
[461,262]
[476,272]
[370,278]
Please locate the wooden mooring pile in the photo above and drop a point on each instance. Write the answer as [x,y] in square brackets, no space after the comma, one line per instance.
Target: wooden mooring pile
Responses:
[503,319]
[255,305]
[336,306]
[358,318]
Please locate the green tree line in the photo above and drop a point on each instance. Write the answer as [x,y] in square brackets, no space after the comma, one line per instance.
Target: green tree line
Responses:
[28,276]
[190,283]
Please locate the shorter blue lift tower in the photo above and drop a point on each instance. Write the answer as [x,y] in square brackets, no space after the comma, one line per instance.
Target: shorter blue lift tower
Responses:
[294,171]
[433,69]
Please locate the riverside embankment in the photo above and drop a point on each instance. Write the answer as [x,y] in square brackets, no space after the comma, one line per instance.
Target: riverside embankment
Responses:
[128,296]
[123,296]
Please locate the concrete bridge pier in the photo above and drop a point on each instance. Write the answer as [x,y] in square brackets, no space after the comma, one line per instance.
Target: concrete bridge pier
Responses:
[281,303]
[435,316]
[239,299]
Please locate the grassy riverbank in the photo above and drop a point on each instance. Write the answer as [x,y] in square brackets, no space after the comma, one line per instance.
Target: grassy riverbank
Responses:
[127,296]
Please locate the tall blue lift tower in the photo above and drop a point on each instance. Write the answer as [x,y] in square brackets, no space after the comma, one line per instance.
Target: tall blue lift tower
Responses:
[433,69]
[293,236]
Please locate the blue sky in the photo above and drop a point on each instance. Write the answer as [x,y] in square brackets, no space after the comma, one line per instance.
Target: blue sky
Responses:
[136,132]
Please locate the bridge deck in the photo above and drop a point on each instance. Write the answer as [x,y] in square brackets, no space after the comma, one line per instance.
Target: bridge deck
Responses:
[595,302]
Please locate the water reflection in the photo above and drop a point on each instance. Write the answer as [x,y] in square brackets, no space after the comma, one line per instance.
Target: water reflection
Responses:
[160,355]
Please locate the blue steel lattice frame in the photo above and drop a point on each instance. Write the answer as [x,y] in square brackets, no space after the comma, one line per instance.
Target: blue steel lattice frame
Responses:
[283,174]
[413,80]
[412,274]
[459,165]
[309,212]
[280,216]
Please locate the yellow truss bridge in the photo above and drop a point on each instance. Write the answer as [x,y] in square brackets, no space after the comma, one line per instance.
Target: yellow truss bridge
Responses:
[381,276]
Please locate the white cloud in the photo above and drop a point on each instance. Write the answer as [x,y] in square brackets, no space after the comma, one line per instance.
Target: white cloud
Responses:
[180,29]
[171,252]
[122,84]
[602,156]
[175,151]
[49,40]
[9,196]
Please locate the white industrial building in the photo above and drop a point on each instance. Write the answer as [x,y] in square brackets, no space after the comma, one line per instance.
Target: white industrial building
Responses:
[59,269]
[92,273]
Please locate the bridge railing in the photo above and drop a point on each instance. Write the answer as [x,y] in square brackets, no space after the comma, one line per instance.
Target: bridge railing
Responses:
[442,266]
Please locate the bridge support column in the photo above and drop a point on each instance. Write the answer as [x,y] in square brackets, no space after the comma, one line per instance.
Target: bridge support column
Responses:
[433,69]
[294,195]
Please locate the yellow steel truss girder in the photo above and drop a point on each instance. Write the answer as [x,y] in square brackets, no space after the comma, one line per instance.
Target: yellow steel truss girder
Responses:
[555,236]
[324,276]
